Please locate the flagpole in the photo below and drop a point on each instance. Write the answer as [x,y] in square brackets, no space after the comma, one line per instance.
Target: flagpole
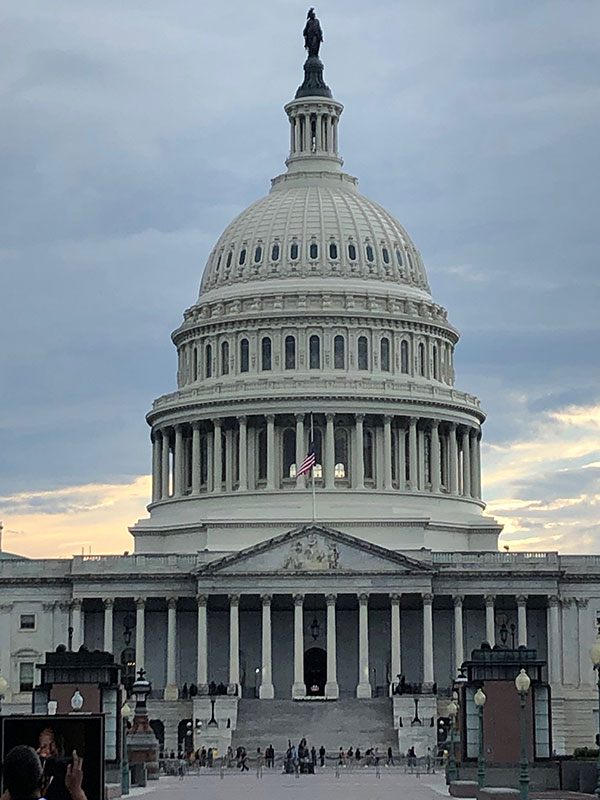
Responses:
[312,472]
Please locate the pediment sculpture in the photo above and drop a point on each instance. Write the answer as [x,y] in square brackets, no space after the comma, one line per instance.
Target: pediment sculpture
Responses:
[309,554]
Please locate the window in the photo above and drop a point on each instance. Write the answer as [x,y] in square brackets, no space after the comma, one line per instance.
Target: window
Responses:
[435,363]
[294,251]
[244,355]
[314,250]
[410,261]
[242,259]
[27,622]
[289,453]
[368,454]
[257,254]
[352,252]
[275,252]
[208,361]
[290,352]
[399,256]
[363,353]
[339,353]
[370,253]
[422,359]
[427,456]
[229,257]
[386,255]
[314,346]
[26,676]
[404,357]
[195,364]
[224,358]
[333,250]
[384,354]
[265,351]
[341,453]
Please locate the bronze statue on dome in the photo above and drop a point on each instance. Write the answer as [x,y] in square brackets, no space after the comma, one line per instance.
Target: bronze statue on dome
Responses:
[313,35]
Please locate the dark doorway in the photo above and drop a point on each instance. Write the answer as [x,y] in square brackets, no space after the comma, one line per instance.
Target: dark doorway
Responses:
[315,670]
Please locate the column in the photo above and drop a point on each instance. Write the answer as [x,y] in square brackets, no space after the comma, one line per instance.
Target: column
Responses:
[428,639]
[165,453]
[395,653]
[435,456]
[459,646]
[77,624]
[210,461]
[466,465]
[554,641]
[359,457]
[331,687]
[318,137]
[299,687]
[229,460]
[195,458]
[364,684]
[270,451]
[452,459]
[586,672]
[300,479]
[412,454]
[178,462]
[234,644]
[522,619]
[387,452]
[329,452]
[401,459]
[171,690]
[478,451]
[5,652]
[266,691]
[108,624]
[202,644]
[156,465]
[243,455]
[217,457]
[474,444]
[421,459]
[140,632]
[490,621]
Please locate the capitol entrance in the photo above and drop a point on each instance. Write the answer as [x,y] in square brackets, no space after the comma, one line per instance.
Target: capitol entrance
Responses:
[315,671]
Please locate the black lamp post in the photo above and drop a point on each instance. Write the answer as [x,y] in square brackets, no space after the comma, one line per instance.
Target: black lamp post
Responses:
[125,714]
[523,682]
[479,700]
[452,771]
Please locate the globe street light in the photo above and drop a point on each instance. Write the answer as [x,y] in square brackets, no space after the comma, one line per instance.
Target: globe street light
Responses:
[523,682]
[595,656]
[125,714]
[452,711]
[480,699]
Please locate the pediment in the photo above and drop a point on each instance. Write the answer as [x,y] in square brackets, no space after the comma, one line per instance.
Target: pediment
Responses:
[315,549]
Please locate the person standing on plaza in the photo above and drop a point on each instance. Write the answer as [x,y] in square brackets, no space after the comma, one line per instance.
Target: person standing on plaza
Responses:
[322,752]
[259,763]
[390,758]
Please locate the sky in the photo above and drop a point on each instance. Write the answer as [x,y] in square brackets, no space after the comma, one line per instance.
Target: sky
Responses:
[133,132]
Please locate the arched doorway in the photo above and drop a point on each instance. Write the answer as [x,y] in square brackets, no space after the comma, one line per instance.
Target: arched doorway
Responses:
[315,670]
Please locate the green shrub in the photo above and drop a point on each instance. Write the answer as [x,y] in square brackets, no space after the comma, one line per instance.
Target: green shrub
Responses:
[587,753]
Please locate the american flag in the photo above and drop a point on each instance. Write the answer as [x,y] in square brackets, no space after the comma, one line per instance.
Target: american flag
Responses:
[308,462]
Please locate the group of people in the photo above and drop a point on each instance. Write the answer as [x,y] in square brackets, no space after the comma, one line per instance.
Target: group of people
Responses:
[213,688]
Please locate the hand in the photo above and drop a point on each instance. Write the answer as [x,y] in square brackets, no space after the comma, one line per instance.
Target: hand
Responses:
[74,778]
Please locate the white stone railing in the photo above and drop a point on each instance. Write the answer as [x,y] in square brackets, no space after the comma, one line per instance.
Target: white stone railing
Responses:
[487,559]
[134,563]
[35,568]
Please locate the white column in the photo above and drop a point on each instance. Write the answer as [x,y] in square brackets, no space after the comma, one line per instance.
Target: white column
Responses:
[178,462]
[401,459]
[202,644]
[434,455]
[474,444]
[364,684]
[171,690]
[156,465]
[490,621]
[554,641]
[412,455]
[270,451]
[234,644]
[210,461]
[459,641]
[358,478]
[6,610]
[109,604]
[217,457]
[452,459]
[387,452]
[331,687]
[77,624]
[140,632]
[395,644]
[586,672]
[428,639]
[165,454]
[299,687]
[522,619]
[329,452]
[266,691]
[466,465]
[195,458]
[478,452]
[229,460]
[243,454]
[300,453]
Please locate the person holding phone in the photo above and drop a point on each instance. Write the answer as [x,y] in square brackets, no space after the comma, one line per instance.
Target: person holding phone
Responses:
[24,776]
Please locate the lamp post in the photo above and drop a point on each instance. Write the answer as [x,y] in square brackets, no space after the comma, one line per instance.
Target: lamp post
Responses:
[3,688]
[480,699]
[77,701]
[452,771]
[125,714]
[595,656]
[523,682]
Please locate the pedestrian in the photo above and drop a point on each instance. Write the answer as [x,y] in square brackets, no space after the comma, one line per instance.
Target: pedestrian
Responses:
[209,757]
[357,756]
[322,756]
[411,758]
[244,761]
[341,757]
[259,764]
[390,758]
[313,757]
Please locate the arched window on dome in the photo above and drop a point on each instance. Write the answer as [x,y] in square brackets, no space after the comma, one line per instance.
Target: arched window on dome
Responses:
[224,358]
[341,454]
[290,352]
[219,261]
[229,257]
[363,353]
[352,251]
[313,251]
[294,251]
[265,354]
[422,359]
[399,256]
[261,454]
[404,357]
[257,253]
[333,251]
[314,352]
[410,261]
[435,359]
[370,253]
[242,259]
[384,354]
[339,352]
[208,361]
[385,253]
[289,453]
[368,454]
[244,355]
[195,364]
[275,252]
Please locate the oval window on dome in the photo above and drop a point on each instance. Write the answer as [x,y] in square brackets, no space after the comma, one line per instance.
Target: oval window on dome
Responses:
[257,254]
[314,250]
[219,262]
[294,251]
[242,256]
[275,252]
[333,250]
[399,256]
[352,252]
[229,257]
[370,253]
[386,255]
[410,262]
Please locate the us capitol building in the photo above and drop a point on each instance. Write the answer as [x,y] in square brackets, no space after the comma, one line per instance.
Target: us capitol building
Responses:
[314,325]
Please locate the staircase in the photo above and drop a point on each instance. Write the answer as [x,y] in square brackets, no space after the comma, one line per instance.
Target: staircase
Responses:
[334,724]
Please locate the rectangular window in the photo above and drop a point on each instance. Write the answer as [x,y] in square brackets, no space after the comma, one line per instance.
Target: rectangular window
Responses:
[27,622]
[26,676]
